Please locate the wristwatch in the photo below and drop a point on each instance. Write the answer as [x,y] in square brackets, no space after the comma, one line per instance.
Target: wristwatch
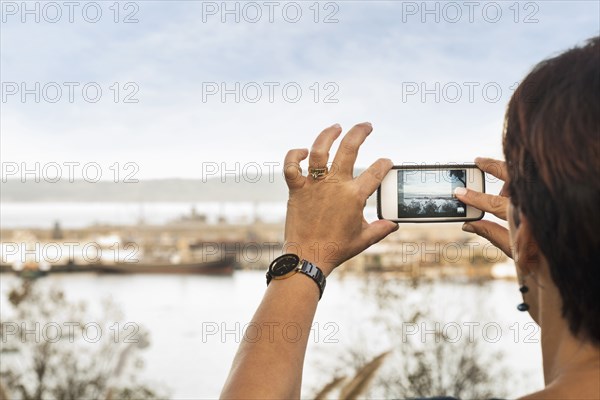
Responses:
[287,265]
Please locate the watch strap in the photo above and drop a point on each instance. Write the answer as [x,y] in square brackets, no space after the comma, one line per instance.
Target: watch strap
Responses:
[314,272]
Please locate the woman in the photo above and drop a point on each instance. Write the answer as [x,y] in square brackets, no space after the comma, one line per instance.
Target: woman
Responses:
[552,174]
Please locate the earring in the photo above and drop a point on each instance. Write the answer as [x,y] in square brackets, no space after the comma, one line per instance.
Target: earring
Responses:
[523,306]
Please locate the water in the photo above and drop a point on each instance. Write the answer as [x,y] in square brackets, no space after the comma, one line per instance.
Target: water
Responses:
[179,311]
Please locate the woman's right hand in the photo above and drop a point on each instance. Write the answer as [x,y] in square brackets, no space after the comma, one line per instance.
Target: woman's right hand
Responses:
[497,205]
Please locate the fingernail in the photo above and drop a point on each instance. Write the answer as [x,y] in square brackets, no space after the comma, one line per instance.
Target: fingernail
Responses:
[337,126]
[396,228]
[468,228]
[460,191]
[368,123]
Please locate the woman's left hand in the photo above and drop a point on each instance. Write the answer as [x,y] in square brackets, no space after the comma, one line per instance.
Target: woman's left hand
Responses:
[497,205]
[325,223]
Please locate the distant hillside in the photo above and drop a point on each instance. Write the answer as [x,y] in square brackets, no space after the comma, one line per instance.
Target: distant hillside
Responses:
[152,190]
[160,190]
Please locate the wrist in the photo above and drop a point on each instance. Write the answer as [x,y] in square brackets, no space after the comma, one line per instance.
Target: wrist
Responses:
[323,256]
[288,265]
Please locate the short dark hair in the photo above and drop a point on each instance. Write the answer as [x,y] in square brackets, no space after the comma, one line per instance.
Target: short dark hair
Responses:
[552,149]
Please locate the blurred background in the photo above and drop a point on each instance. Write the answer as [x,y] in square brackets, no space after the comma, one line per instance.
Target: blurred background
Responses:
[142,197]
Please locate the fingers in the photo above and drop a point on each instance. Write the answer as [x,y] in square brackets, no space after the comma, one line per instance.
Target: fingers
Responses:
[319,153]
[371,178]
[377,230]
[493,167]
[496,234]
[291,168]
[484,202]
[346,155]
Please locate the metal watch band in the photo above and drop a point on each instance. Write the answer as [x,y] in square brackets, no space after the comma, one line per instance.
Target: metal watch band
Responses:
[311,270]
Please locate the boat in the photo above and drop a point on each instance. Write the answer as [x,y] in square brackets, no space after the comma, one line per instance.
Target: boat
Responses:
[220,267]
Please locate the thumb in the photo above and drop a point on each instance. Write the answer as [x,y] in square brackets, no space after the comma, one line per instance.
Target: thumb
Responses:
[377,230]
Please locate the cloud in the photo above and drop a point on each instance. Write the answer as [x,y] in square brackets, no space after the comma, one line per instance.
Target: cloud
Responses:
[367,62]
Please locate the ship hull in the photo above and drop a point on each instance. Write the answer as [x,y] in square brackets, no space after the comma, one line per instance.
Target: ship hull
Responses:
[221,267]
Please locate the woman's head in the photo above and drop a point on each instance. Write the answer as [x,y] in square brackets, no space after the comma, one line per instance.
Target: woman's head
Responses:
[552,150]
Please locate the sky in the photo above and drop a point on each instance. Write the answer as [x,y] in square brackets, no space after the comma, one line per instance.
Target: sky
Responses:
[181,89]
[428,182]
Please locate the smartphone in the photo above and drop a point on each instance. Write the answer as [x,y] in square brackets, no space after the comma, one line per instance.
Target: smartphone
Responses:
[425,193]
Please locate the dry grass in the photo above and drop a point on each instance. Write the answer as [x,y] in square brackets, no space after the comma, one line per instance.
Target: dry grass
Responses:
[352,389]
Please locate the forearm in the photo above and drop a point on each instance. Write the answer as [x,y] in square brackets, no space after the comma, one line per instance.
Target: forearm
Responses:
[324,224]
[270,359]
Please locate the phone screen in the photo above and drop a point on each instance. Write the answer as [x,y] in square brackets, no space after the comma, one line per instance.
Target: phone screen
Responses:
[424,193]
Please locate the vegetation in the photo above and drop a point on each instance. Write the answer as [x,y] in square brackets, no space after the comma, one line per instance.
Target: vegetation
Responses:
[414,367]
[51,349]
[429,207]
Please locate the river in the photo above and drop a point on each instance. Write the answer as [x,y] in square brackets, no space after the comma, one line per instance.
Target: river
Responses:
[196,323]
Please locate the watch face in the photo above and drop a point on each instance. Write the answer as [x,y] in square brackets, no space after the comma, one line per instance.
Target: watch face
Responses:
[284,264]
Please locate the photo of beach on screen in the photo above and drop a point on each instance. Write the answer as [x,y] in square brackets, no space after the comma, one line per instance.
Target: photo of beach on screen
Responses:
[430,193]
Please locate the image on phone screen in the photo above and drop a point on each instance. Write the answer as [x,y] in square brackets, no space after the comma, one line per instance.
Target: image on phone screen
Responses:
[430,193]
